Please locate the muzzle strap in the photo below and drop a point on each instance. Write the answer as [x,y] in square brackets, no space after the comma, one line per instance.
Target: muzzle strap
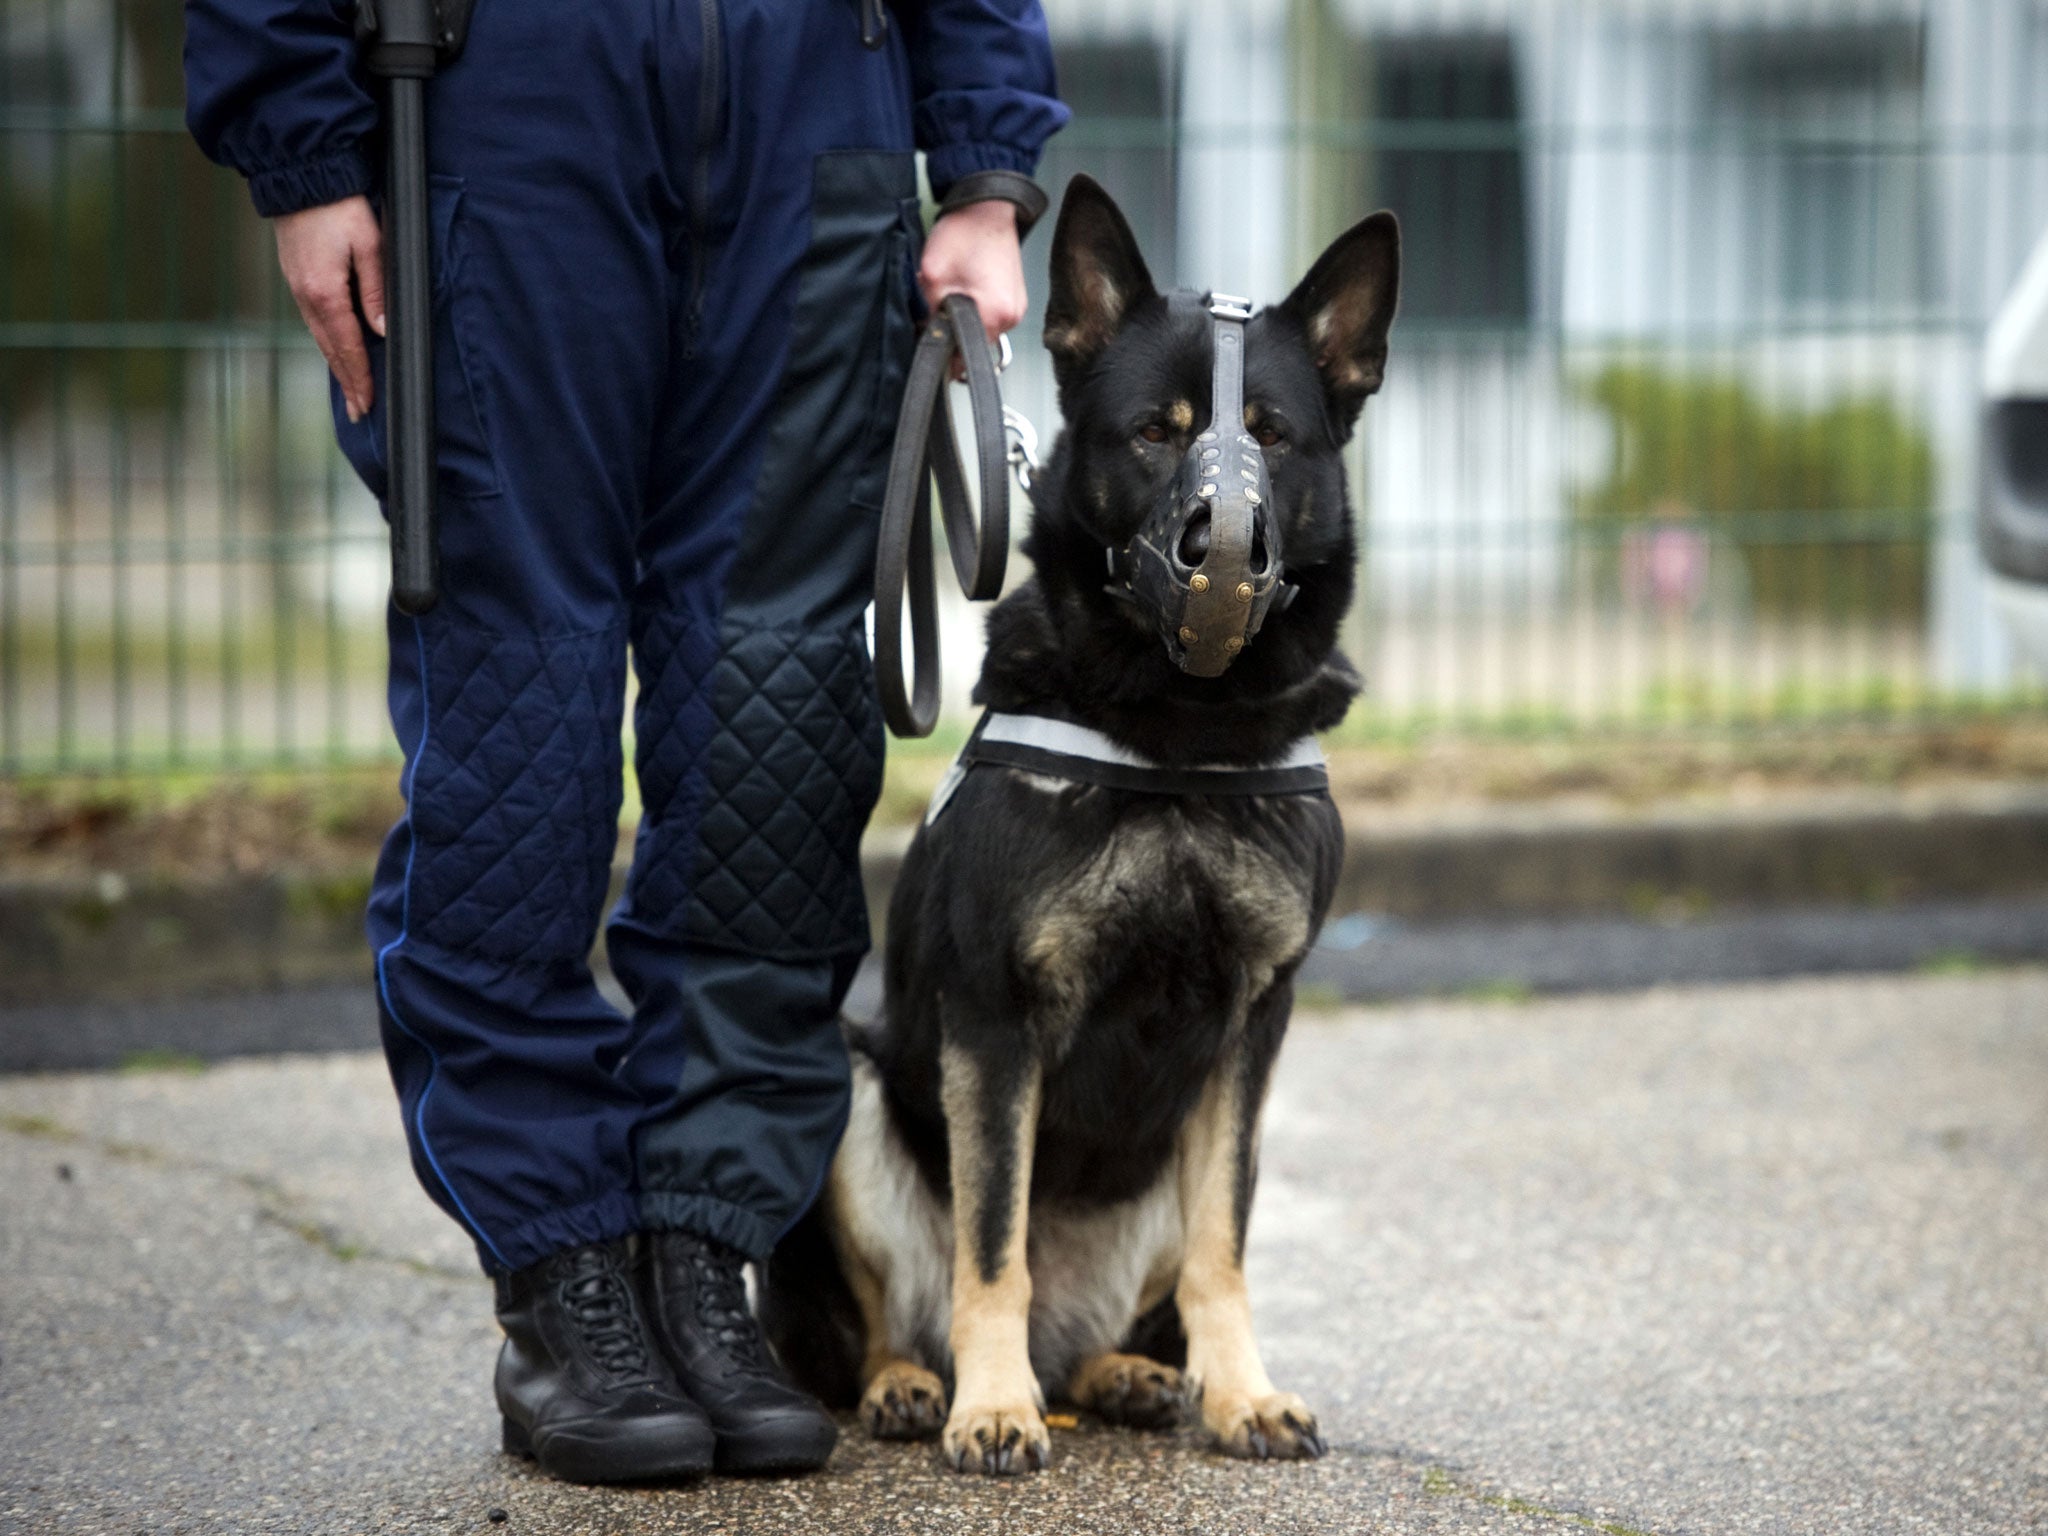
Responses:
[1208,589]
[1216,624]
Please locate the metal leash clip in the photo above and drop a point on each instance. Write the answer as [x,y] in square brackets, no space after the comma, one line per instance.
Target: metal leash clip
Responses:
[1023,447]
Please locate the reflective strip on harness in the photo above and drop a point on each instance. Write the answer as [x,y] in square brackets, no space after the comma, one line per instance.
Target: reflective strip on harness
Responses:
[1063,750]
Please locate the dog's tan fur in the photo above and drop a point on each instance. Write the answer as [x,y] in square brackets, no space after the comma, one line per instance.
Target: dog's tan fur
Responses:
[1240,1408]
[997,1407]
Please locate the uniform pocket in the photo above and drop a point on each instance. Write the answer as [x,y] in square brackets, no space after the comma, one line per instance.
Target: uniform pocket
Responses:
[901,311]
[807,548]
[462,446]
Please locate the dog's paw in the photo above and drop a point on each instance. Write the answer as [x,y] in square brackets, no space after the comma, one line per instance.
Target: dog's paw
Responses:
[1279,1427]
[903,1402]
[1131,1390]
[998,1441]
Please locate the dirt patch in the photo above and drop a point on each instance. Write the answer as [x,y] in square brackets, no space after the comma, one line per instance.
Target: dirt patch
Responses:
[1438,776]
[200,828]
[1639,771]
[205,827]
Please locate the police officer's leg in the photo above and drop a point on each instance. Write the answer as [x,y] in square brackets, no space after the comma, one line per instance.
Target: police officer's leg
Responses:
[759,745]
[553,293]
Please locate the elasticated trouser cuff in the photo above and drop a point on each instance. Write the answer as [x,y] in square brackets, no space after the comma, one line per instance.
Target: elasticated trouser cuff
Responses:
[615,1215]
[603,1219]
[707,1216]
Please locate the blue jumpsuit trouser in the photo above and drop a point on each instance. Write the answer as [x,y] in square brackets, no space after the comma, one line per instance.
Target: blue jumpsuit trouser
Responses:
[675,250]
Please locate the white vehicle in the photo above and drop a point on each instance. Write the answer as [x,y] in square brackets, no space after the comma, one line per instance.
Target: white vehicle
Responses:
[2012,527]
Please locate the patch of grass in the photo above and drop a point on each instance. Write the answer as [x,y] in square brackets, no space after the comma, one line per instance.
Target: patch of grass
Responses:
[1651,903]
[42,1127]
[1503,989]
[912,770]
[159,1059]
[338,897]
[1487,761]
[316,1236]
[1318,996]
[91,913]
[1953,962]
[1437,1483]
[188,825]
[325,824]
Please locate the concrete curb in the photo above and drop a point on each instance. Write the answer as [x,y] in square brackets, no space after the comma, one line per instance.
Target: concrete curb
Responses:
[1553,861]
[111,938]
[107,938]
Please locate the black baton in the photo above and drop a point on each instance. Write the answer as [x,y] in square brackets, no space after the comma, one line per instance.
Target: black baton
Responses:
[404,42]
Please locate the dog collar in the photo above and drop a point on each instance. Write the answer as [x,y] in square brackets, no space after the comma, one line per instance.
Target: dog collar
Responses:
[1062,749]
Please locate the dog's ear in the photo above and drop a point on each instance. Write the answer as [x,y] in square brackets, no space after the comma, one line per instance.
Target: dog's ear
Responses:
[1345,307]
[1098,278]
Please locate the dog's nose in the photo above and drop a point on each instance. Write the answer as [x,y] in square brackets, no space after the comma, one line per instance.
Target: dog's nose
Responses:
[1194,540]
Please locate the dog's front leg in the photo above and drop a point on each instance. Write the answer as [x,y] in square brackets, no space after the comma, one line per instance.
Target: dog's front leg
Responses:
[996,1424]
[1219,1163]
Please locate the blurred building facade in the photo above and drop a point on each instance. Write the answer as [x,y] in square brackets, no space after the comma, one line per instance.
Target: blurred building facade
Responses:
[1817,201]
[1680,429]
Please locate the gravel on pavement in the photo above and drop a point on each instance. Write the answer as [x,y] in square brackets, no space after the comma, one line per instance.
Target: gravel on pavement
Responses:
[1764,1257]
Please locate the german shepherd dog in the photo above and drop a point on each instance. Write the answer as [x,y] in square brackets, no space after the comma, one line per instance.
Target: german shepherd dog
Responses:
[1045,1182]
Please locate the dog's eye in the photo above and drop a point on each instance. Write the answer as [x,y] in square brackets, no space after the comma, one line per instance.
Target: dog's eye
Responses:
[1153,433]
[1268,436]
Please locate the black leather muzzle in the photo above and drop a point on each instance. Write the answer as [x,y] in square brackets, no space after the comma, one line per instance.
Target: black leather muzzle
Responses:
[1205,564]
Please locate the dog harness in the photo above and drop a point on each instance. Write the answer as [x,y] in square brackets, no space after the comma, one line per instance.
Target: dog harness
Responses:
[1064,749]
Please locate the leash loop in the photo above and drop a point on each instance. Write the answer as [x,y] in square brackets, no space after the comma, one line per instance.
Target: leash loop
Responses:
[926,450]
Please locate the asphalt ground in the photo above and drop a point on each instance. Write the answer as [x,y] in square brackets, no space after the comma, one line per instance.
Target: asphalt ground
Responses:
[1748,1258]
[1361,957]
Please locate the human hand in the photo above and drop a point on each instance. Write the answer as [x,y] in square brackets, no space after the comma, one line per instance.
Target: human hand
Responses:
[975,250]
[321,250]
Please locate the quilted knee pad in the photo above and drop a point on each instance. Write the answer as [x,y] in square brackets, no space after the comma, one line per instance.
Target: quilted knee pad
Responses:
[515,794]
[751,841]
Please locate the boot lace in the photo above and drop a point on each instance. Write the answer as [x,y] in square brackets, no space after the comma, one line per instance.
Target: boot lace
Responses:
[597,1294]
[721,1295]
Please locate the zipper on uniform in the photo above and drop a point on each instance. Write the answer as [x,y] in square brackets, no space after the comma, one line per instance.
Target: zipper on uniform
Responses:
[874,23]
[710,114]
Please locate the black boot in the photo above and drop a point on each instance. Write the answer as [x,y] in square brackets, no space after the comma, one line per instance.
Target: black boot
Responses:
[582,1388]
[697,1300]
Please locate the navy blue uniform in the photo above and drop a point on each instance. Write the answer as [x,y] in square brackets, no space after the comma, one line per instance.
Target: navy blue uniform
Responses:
[676,244]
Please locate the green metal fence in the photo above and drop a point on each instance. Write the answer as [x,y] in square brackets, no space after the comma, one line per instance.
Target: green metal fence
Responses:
[1680,431]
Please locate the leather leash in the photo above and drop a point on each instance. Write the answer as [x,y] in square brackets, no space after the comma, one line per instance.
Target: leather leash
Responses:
[926,450]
